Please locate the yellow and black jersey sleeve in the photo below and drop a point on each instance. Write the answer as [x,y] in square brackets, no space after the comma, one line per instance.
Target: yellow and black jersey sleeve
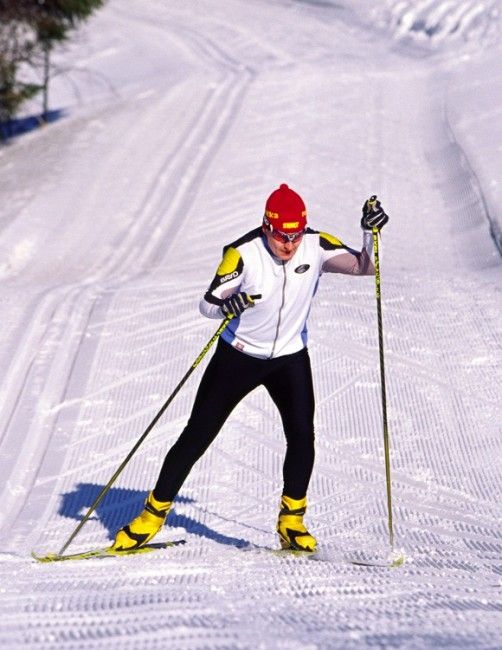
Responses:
[329,242]
[337,257]
[230,266]
[227,274]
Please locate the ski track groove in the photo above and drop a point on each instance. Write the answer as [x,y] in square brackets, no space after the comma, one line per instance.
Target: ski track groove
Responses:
[207,139]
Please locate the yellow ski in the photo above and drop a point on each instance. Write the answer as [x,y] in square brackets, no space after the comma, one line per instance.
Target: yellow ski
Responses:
[101,553]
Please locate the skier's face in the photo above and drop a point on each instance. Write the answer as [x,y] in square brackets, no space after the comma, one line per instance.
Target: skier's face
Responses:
[282,250]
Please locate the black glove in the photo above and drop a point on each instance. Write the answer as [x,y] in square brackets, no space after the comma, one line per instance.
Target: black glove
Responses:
[373,215]
[234,305]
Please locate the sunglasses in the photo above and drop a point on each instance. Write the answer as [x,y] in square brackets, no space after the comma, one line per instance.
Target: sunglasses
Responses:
[285,237]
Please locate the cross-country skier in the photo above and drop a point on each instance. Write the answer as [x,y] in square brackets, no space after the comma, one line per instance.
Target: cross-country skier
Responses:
[265,282]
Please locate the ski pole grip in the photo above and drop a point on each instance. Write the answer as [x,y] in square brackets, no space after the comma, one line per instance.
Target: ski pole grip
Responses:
[257,296]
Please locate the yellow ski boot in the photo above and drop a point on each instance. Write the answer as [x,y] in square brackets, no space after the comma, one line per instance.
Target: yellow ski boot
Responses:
[292,532]
[142,529]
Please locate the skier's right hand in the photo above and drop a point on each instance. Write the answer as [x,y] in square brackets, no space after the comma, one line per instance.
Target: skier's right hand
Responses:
[236,304]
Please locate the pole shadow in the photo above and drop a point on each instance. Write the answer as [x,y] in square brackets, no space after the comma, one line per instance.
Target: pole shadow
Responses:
[120,505]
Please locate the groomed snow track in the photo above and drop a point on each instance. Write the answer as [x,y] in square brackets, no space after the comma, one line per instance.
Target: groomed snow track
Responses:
[103,263]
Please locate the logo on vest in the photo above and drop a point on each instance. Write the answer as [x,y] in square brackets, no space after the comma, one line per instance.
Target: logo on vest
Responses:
[302,268]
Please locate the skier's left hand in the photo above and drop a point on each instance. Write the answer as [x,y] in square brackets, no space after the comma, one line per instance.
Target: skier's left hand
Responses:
[373,215]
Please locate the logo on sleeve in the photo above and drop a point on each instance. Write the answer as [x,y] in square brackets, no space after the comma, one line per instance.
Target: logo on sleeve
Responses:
[302,268]
[229,276]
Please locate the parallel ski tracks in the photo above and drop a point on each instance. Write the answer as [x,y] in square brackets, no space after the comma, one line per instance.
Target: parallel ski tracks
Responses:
[63,314]
[34,382]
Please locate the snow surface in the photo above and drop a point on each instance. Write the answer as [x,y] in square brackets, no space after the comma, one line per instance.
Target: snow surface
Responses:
[187,115]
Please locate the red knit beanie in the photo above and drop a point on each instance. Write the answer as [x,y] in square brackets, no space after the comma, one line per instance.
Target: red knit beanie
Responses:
[285,210]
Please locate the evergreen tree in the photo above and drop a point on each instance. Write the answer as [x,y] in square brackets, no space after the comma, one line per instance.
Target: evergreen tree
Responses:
[18,43]
[29,30]
[52,21]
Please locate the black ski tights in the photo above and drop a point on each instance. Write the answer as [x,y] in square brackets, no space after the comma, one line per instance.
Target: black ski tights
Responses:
[230,376]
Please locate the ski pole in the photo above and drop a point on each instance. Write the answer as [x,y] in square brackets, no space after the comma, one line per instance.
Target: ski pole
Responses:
[118,471]
[376,253]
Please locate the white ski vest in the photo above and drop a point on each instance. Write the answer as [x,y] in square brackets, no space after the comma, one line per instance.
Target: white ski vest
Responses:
[277,324]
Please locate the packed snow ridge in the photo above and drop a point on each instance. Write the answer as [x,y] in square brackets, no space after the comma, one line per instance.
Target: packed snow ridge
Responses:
[434,24]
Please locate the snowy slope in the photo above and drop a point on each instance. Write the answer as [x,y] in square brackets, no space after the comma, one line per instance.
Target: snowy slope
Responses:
[441,24]
[112,224]
[437,25]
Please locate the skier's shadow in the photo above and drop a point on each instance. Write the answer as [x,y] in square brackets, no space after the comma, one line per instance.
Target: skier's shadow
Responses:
[120,505]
